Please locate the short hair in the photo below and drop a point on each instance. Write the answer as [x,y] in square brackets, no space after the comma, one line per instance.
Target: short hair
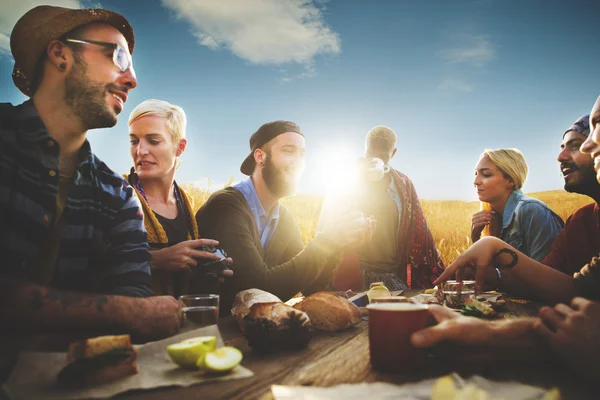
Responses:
[511,162]
[174,115]
[381,138]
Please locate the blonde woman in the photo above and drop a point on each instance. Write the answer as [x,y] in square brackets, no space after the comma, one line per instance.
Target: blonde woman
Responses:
[525,223]
[157,136]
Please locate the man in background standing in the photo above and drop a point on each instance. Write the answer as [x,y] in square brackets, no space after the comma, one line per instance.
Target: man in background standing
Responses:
[402,253]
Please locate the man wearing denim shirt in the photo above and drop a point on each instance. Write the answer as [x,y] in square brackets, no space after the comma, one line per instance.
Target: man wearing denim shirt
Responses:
[71,231]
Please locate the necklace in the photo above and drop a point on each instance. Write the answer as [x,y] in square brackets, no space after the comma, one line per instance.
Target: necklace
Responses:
[139,187]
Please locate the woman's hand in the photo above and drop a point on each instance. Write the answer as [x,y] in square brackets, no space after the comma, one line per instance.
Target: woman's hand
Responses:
[478,257]
[478,222]
[574,334]
[182,256]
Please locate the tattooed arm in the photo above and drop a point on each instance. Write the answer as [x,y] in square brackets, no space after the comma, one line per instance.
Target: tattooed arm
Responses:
[29,308]
[518,270]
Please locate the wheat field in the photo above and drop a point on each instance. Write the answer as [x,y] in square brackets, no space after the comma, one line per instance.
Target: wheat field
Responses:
[448,220]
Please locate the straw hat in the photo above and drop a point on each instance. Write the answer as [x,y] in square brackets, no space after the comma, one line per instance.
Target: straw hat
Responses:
[41,25]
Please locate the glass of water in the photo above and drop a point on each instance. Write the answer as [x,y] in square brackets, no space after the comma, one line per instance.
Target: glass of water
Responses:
[200,309]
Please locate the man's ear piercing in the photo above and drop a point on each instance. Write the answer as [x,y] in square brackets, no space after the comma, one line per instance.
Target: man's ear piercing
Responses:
[63,66]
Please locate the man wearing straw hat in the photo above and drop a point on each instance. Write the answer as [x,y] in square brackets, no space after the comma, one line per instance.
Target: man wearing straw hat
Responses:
[71,231]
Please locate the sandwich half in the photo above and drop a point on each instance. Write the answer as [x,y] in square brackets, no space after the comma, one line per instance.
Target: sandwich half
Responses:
[99,360]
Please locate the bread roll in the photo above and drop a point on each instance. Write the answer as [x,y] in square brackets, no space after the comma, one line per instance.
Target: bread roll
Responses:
[329,312]
[245,299]
[272,327]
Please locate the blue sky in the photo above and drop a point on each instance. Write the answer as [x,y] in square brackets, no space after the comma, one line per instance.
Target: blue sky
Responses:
[450,77]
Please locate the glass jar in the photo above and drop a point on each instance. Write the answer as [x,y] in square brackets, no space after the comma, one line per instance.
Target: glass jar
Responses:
[455,293]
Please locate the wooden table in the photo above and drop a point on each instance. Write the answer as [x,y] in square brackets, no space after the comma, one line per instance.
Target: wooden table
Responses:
[343,357]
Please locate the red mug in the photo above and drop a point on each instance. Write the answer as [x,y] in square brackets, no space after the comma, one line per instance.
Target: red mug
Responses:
[390,328]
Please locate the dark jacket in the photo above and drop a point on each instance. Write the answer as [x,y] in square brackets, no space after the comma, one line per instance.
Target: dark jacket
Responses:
[284,269]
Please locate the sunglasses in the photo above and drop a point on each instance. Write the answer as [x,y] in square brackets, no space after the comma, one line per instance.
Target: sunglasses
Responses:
[120,57]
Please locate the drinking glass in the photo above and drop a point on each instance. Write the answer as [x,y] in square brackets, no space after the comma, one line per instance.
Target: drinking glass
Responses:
[200,309]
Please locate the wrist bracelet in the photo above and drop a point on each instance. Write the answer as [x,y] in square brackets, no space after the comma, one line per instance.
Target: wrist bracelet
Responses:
[499,278]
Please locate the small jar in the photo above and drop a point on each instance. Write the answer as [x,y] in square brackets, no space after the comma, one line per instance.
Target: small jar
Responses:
[455,294]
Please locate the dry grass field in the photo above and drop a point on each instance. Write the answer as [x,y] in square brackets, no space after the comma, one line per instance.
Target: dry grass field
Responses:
[449,221]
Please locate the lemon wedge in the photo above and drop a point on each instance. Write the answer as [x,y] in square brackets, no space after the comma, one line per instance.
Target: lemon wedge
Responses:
[190,352]
[221,360]
[377,291]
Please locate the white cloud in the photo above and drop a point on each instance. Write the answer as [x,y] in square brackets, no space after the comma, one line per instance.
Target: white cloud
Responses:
[474,50]
[455,85]
[12,10]
[265,32]
[307,71]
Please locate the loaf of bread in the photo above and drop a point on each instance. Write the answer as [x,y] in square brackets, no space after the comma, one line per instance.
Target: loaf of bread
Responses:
[276,326]
[245,299]
[329,312]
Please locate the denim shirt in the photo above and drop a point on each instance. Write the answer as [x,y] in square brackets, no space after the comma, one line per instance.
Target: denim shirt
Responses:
[266,223]
[529,225]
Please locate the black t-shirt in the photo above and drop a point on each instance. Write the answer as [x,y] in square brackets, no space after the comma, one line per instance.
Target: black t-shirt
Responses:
[177,229]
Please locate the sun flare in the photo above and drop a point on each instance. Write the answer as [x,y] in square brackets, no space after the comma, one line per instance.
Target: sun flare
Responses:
[337,170]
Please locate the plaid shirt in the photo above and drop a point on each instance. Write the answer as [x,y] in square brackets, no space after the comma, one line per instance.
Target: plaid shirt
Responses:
[103,243]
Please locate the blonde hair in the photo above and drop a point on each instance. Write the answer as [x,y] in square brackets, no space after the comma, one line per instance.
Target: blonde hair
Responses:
[381,138]
[174,116]
[512,164]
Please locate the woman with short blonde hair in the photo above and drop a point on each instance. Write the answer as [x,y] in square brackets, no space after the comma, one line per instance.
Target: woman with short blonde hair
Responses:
[157,137]
[174,116]
[521,221]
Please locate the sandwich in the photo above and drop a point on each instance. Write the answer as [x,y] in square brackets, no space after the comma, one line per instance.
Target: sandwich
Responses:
[99,360]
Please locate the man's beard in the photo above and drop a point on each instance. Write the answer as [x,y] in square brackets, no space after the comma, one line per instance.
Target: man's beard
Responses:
[275,179]
[587,185]
[87,99]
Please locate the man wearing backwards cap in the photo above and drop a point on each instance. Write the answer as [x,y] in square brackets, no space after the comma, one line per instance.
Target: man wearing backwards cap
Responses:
[579,241]
[71,231]
[261,234]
